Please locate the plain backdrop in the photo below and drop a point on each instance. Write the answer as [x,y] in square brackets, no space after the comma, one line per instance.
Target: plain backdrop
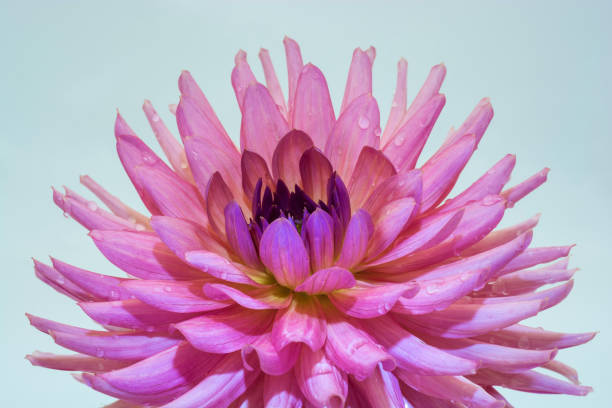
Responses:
[67,66]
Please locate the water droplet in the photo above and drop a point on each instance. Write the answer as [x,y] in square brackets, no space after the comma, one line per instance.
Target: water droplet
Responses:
[60,280]
[432,288]
[148,158]
[114,294]
[140,227]
[523,342]
[66,214]
[100,353]
[363,122]
[167,288]
[377,132]
[92,206]
[464,277]
[155,118]
[383,308]
[184,165]
[490,200]
[398,140]
[394,104]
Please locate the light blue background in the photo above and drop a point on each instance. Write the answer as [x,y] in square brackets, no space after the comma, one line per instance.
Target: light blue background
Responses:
[66,66]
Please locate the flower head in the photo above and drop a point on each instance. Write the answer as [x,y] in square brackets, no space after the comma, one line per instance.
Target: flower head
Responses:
[315,265]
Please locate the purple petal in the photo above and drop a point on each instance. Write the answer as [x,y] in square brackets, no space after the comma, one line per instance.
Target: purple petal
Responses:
[318,234]
[239,236]
[530,381]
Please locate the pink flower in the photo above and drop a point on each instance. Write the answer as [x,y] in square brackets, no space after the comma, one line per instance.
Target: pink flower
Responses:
[314,266]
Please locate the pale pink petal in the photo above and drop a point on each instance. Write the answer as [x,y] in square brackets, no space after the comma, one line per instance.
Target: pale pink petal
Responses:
[272,297]
[529,280]
[294,68]
[320,381]
[549,297]
[74,362]
[530,381]
[356,239]
[391,220]
[142,255]
[179,296]
[46,325]
[171,147]
[561,368]
[406,144]
[272,81]
[261,354]
[226,330]
[60,283]
[398,106]
[501,236]
[359,79]
[221,268]
[282,251]
[357,126]
[301,322]
[429,89]
[535,338]
[476,123]
[262,123]
[242,78]
[313,111]
[414,355]
[514,194]
[366,301]
[536,256]
[286,157]
[327,280]
[282,392]
[401,185]
[372,168]
[315,171]
[381,389]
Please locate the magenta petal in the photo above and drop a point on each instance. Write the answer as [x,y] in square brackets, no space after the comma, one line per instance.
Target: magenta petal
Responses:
[514,194]
[315,171]
[131,314]
[301,322]
[381,389]
[392,219]
[413,354]
[372,168]
[520,336]
[286,157]
[74,362]
[180,297]
[476,123]
[318,234]
[356,127]
[60,283]
[221,268]
[142,255]
[239,236]
[261,354]
[313,111]
[224,383]
[262,123]
[366,301]
[327,280]
[272,297]
[356,239]
[226,330]
[320,381]
[353,350]
[282,251]
[282,391]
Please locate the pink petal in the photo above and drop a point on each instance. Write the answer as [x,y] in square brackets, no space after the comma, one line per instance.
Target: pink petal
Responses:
[252,397]
[351,349]
[356,239]
[398,107]
[499,358]
[226,330]
[490,183]
[468,320]
[46,326]
[102,287]
[501,236]
[401,185]
[514,194]
[441,172]
[327,280]
[450,388]
[262,123]
[563,369]
[392,219]
[142,255]
[372,168]
[549,297]
[524,281]
[406,144]
[282,392]
[419,400]
[536,339]
[429,89]
[286,157]
[253,168]
[318,235]
[114,345]
[476,123]
[171,147]
[223,384]
[179,297]
[315,171]
[301,322]
[221,268]
[320,381]
[356,127]
[359,79]
[530,381]
[272,81]
[381,389]
[131,314]
[273,297]
[60,283]
[414,355]
[294,68]
[282,251]
[313,111]
[367,301]
[242,78]
[535,256]
[261,354]
[75,362]
[218,196]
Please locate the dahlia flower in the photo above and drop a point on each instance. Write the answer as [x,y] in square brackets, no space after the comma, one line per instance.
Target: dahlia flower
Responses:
[314,266]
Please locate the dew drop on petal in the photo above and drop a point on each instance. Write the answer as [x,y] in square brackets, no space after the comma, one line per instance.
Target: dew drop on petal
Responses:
[167,289]
[363,122]
[92,206]
[150,329]
[60,280]
[155,118]
[398,140]
[114,294]
[100,353]
[432,288]
[140,227]
[377,132]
